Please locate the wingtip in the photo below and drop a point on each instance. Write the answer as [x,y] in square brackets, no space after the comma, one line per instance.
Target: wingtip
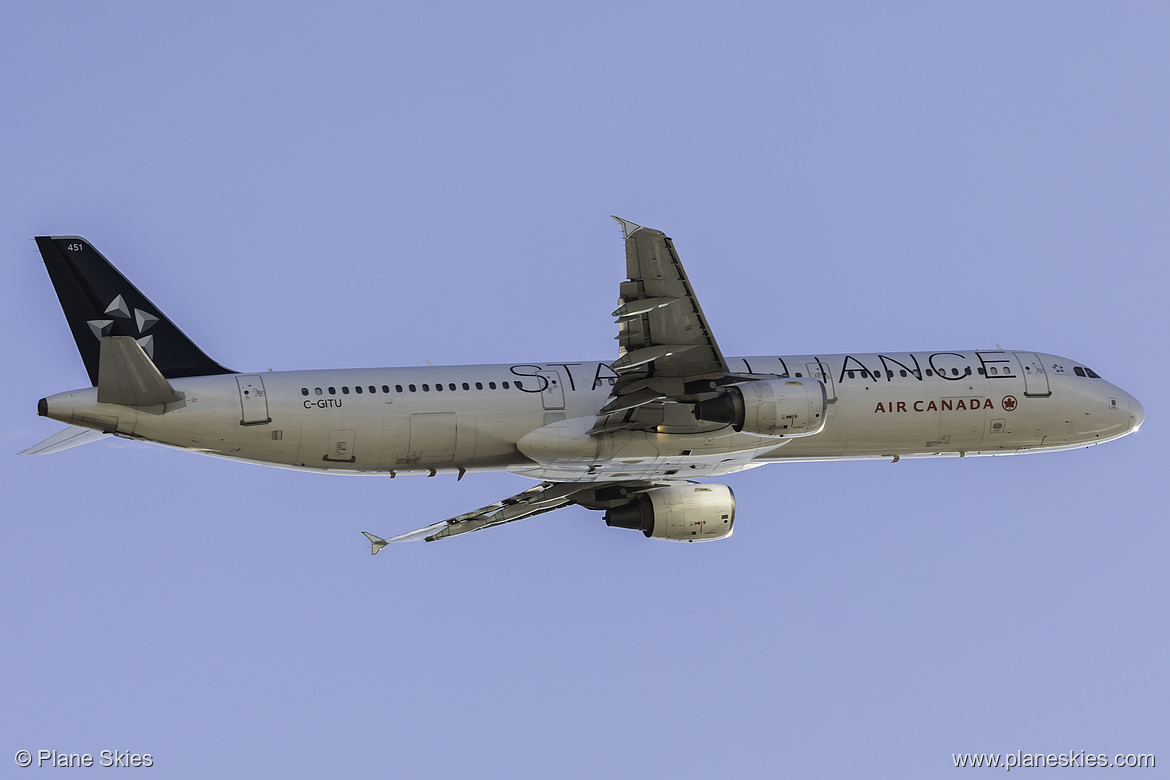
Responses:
[628,228]
[376,542]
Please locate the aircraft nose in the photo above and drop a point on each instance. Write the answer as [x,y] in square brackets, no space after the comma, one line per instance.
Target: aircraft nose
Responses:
[1137,414]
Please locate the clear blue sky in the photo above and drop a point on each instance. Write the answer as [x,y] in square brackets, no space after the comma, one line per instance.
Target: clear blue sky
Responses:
[384,184]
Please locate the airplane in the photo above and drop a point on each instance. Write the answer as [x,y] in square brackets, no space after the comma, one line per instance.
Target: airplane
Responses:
[630,436]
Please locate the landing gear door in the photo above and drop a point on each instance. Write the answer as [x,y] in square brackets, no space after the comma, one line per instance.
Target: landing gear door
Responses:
[1035,378]
[253,401]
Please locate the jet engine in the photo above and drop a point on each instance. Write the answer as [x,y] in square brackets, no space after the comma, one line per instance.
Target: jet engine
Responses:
[774,407]
[678,513]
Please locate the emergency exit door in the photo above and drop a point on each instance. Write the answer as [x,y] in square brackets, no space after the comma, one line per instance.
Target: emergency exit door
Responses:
[553,394]
[818,370]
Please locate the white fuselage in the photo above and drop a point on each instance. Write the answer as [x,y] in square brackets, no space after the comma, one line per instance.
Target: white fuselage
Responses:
[532,419]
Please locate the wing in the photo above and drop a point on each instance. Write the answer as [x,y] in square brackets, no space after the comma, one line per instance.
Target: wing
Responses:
[545,497]
[667,354]
[661,328]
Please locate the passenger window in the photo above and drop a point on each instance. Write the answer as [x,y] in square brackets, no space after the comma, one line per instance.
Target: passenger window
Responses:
[479,385]
[374,389]
[412,389]
[438,387]
[518,385]
[345,390]
[357,389]
[492,385]
[466,386]
[317,390]
[980,370]
[849,374]
[333,391]
[890,374]
[902,372]
[304,391]
[451,386]
[929,372]
[397,389]
[612,380]
[505,385]
[799,374]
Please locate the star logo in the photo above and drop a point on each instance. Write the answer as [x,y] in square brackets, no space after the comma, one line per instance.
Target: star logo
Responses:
[1058,368]
[1008,403]
[125,323]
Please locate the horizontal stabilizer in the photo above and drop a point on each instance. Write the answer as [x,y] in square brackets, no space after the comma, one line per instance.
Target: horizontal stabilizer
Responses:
[73,436]
[127,376]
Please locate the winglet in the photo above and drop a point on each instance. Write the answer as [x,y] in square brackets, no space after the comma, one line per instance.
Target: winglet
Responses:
[376,542]
[628,228]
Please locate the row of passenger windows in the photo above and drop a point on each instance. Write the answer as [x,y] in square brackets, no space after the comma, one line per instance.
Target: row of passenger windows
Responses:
[993,371]
[438,387]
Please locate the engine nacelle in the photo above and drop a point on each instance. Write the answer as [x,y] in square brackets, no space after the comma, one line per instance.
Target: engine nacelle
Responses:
[678,513]
[774,407]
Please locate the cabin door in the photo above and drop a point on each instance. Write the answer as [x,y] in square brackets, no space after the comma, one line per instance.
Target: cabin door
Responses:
[1035,378]
[253,401]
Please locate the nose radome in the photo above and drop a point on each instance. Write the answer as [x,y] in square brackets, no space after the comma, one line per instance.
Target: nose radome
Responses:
[1137,413]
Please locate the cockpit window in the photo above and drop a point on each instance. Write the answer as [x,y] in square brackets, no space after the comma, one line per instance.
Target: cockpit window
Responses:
[1088,372]
[1078,371]
[1092,374]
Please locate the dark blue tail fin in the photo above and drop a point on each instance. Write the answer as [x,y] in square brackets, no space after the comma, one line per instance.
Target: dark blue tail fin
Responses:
[99,302]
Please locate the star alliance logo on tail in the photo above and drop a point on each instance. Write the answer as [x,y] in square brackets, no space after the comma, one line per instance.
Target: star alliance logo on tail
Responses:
[142,320]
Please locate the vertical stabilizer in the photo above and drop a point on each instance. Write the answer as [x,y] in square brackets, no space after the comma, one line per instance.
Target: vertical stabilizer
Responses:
[99,302]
